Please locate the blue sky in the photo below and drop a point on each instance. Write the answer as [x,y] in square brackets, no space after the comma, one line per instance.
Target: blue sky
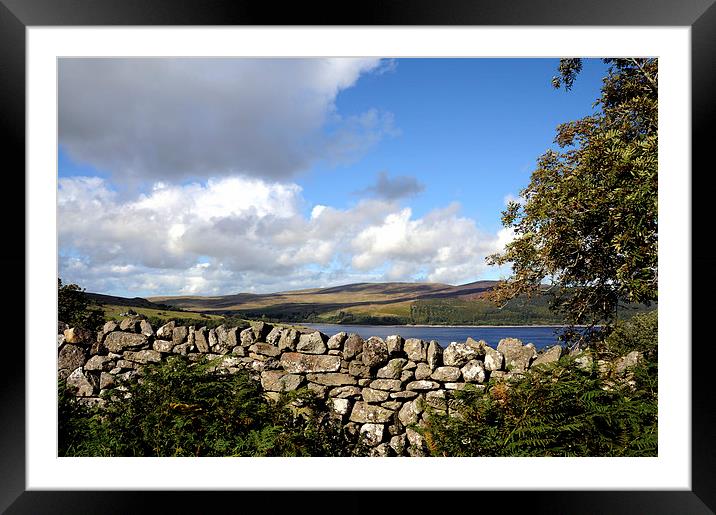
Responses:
[223,176]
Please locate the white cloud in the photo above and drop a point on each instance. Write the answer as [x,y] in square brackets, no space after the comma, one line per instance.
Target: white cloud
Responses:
[243,234]
[169,119]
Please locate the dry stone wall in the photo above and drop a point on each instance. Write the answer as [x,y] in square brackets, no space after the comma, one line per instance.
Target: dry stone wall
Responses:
[377,387]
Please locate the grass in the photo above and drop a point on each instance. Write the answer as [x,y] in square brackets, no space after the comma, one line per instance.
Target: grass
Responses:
[112,312]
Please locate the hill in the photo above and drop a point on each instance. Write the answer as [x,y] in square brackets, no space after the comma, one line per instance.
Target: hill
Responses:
[378,303]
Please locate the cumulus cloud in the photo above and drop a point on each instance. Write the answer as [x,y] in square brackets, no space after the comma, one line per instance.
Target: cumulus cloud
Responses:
[148,119]
[393,188]
[236,234]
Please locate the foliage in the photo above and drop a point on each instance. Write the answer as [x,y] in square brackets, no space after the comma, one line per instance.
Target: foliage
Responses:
[557,410]
[588,220]
[179,408]
[75,309]
[641,334]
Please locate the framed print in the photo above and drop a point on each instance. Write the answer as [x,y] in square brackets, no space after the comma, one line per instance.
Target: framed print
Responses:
[41,41]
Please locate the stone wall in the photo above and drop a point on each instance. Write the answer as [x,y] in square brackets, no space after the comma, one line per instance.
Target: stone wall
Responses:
[377,387]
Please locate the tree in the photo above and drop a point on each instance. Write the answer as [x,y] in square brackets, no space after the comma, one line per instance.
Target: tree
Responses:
[588,220]
[74,308]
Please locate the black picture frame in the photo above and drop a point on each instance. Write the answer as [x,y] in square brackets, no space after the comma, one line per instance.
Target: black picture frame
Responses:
[699,15]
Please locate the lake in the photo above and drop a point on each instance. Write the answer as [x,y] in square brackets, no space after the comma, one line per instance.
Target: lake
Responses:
[541,336]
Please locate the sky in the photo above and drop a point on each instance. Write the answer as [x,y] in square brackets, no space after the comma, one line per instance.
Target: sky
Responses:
[196,176]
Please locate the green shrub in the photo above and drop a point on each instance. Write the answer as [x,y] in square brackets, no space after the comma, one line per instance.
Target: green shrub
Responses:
[557,410]
[178,408]
[640,333]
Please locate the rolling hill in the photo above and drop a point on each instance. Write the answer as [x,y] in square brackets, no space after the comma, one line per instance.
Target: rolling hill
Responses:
[376,303]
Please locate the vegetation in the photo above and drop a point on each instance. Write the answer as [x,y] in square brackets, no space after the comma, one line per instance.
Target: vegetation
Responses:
[588,222]
[559,409]
[182,409]
[75,309]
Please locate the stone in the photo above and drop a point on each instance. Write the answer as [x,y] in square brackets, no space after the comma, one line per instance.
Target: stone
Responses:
[106,380]
[392,405]
[60,340]
[372,434]
[422,385]
[117,341]
[397,443]
[182,348]
[124,364]
[295,362]
[415,349]
[364,382]
[343,392]
[164,346]
[79,382]
[166,331]
[70,357]
[336,352]
[143,356]
[374,396]
[247,337]
[79,335]
[265,349]
[213,340]
[358,369]
[375,352]
[365,413]
[392,385]
[392,370]
[550,355]
[288,340]
[340,406]
[454,386]
[410,365]
[498,374]
[332,379]
[109,326]
[406,375]
[145,328]
[416,441]
[410,412]
[352,346]
[434,354]
[394,342]
[318,389]
[129,324]
[98,363]
[423,371]
[517,356]
[623,364]
[335,342]
[201,339]
[446,374]
[494,360]
[260,330]
[279,381]
[179,334]
[312,343]
[274,336]
[457,354]
[403,395]
[474,371]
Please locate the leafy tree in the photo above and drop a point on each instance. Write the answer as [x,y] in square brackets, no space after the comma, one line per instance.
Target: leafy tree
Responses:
[75,309]
[588,220]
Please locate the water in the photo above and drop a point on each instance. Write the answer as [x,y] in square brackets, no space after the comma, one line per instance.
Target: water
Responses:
[541,336]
